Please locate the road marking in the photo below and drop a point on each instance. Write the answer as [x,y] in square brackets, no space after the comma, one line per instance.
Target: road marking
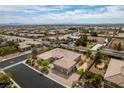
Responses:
[45,75]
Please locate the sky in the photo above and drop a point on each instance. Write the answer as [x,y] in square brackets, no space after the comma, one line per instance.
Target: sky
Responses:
[67,14]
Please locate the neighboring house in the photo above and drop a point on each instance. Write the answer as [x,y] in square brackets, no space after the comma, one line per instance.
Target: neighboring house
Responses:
[115,72]
[65,62]
[27,45]
[3,41]
[33,35]
[24,47]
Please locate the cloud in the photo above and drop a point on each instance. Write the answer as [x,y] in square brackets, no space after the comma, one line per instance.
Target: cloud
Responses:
[61,14]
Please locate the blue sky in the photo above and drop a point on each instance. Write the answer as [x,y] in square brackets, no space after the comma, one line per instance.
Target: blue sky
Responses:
[82,14]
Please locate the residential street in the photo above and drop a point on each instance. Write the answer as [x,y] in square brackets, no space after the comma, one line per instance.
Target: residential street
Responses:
[13,61]
[28,78]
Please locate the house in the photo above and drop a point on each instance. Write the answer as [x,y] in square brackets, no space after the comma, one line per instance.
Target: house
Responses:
[65,62]
[24,47]
[115,72]
[33,35]
[28,44]
[3,41]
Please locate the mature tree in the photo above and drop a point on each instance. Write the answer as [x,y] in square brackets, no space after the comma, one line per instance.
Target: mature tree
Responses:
[82,40]
[88,75]
[93,33]
[96,81]
[13,44]
[98,56]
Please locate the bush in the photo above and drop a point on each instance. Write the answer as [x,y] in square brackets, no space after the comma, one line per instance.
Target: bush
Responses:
[5,78]
[30,57]
[7,50]
[45,62]
[81,71]
[45,70]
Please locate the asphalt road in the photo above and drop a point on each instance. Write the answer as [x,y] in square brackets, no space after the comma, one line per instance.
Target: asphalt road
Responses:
[13,61]
[25,77]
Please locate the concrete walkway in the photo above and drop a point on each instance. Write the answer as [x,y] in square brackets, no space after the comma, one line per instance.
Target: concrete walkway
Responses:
[97,46]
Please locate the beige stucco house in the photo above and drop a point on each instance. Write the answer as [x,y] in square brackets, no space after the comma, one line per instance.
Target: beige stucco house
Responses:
[66,62]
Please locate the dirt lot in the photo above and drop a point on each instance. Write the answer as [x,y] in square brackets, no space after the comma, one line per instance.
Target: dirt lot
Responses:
[114,42]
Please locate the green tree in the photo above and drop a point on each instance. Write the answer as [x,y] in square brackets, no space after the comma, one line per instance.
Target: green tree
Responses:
[98,56]
[93,33]
[30,57]
[96,81]
[82,40]
[45,62]
[7,50]
[88,75]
